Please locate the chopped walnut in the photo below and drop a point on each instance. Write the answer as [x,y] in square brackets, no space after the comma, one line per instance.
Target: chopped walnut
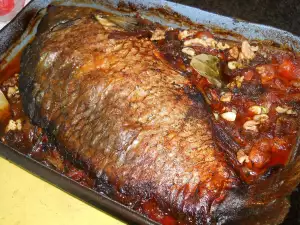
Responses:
[248,51]
[14,125]
[198,41]
[254,48]
[189,51]
[195,42]
[211,42]
[206,42]
[234,52]
[12,91]
[186,33]
[222,46]
[158,34]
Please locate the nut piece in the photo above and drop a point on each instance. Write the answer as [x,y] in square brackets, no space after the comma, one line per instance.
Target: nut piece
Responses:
[234,52]
[254,48]
[14,125]
[226,97]
[158,34]
[195,42]
[211,42]
[186,33]
[229,116]
[247,51]
[12,91]
[19,124]
[206,42]
[261,118]
[189,51]
[222,46]
[242,157]
[251,125]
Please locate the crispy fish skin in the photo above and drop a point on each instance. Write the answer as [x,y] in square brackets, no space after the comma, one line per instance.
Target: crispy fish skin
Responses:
[111,104]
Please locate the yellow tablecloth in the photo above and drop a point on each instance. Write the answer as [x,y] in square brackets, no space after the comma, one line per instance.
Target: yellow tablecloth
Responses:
[28,200]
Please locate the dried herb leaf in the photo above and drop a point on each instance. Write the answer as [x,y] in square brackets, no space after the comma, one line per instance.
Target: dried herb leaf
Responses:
[208,66]
[127,23]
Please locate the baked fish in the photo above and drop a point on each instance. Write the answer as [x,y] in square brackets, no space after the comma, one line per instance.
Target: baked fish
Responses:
[100,86]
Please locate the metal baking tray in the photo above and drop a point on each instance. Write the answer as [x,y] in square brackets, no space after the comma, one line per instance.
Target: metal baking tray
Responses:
[13,39]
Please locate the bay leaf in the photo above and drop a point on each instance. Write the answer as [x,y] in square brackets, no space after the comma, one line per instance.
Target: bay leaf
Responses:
[208,66]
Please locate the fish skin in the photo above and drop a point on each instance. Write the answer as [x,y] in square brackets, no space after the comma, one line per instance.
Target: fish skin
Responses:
[112,105]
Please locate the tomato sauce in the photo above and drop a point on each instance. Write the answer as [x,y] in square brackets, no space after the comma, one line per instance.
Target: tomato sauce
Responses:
[259,102]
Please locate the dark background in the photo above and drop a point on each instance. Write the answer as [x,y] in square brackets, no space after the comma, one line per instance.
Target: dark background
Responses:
[284,14]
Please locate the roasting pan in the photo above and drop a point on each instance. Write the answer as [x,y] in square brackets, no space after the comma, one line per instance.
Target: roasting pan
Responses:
[13,39]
